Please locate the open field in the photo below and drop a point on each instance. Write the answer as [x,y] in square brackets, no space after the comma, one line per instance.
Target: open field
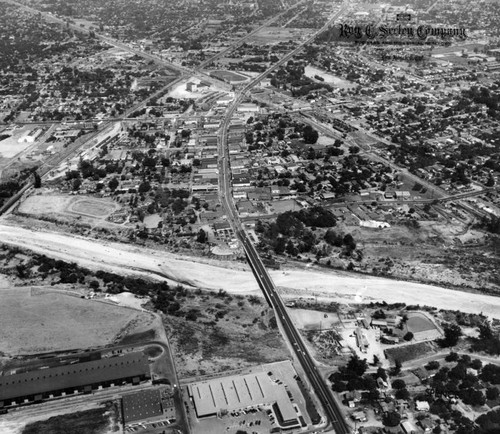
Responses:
[328,285]
[229,333]
[35,320]
[95,421]
[274,35]
[306,319]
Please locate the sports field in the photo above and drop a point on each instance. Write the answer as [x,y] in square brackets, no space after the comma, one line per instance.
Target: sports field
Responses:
[92,208]
[228,76]
[418,322]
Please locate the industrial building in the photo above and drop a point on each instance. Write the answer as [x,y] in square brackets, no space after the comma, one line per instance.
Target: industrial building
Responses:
[141,405]
[40,384]
[223,395]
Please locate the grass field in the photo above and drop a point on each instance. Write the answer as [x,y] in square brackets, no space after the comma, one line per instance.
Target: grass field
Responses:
[36,321]
[93,208]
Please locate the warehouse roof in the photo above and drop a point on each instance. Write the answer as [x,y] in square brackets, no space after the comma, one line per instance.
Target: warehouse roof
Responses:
[141,405]
[75,375]
[239,392]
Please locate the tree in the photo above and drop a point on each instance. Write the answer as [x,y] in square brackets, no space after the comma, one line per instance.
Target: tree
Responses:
[144,187]
[432,365]
[402,394]
[357,366]
[391,419]
[492,393]
[397,367]
[38,180]
[94,284]
[76,184]
[398,384]
[452,357]
[310,135]
[382,374]
[202,236]
[113,184]
[452,333]
[408,336]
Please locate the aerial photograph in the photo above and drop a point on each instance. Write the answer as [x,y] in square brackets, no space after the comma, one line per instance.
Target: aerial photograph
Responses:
[249,216]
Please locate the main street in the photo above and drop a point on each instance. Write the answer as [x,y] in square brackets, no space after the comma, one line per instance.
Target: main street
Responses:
[323,393]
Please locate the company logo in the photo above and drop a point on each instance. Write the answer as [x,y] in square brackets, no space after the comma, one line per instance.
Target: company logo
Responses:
[403,32]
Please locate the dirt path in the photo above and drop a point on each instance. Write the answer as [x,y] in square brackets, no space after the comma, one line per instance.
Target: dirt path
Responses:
[207,274]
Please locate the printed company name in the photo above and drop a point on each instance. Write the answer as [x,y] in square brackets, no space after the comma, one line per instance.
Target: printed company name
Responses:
[422,32]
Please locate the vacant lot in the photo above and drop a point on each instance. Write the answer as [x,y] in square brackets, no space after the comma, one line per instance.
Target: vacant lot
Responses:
[96,421]
[228,333]
[35,320]
[313,319]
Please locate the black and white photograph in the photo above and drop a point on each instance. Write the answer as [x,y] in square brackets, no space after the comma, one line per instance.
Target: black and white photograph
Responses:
[249,217]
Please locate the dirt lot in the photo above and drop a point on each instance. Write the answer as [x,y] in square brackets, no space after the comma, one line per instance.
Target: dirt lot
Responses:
[35,320]
[229,333]
[305,319]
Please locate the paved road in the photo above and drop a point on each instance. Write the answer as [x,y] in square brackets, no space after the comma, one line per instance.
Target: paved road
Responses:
[331,407]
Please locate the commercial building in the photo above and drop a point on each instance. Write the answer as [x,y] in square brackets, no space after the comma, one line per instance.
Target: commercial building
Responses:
[40,384]
[234,393]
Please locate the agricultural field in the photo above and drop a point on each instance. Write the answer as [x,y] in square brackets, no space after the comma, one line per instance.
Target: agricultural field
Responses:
[42,319]
[406,353]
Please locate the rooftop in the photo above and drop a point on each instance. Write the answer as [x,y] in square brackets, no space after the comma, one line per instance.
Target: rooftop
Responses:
[239,392]
[141,405]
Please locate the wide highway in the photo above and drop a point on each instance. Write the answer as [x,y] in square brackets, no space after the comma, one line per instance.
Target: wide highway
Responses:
[323,393]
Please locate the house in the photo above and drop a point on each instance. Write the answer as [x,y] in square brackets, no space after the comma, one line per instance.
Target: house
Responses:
[359,416]
[379,323]
[410,428]
[422,406]
[361,339]
[381,383]
[427,424]
[351,398]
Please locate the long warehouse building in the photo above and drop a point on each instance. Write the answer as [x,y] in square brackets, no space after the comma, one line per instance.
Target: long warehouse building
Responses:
[36,385]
